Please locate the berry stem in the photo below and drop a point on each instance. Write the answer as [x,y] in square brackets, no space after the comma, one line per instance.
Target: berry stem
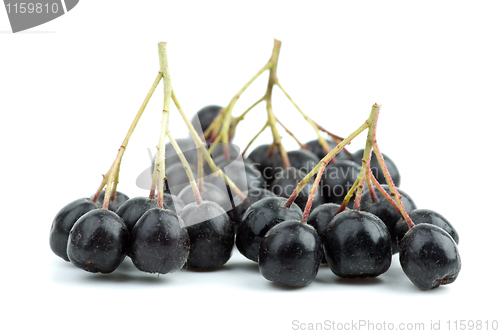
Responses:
[268,98]
[159,176]
[394,192]
[383,192]
[200,169]
[302,146]
[326,159]
[316,127]
[253,139]
[200,145]
[112,174]
[348,196]
[312,192]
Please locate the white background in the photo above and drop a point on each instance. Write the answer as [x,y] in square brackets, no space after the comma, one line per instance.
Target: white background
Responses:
[70,88]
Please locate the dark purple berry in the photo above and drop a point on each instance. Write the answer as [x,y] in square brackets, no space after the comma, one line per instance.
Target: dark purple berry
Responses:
[337,179]
[64,221]
[211,234]
[424,216]
[319,219]
[357,244]
[377,169]
[290,254]
[285,183]
[384,210]
[134,208]
[98,242]
[429,256]
[159,242]
[259,218]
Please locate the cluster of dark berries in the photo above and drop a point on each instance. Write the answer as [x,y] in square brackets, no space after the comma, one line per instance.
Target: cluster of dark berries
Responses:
[289,211]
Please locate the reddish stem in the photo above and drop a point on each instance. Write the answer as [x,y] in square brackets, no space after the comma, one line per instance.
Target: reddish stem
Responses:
[312,193]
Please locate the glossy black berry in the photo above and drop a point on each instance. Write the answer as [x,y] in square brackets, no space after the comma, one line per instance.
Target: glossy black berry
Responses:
[285,183]
[211,234]
[115,202]
[253,195]
[429,256]
[134,208]
[64,221]
[259,218]
[377,169]
[425,216]
[303,160]
[204,117]
[384,210]
[319,219]
[337,179]
[159,242]
[320,152]
[264,161]
[290,254]
[98,242]
[357,244]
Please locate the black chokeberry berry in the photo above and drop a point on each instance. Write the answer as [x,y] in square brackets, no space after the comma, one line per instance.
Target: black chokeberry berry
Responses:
[285,183]
[135,207]
[357,244]
[377,169]
[425,216]
[290,254]
[320,217]
[211,234]
[98,242]
[64,221]
[337,179]
[159,242]
[386,212]
[259,218]
[429,256]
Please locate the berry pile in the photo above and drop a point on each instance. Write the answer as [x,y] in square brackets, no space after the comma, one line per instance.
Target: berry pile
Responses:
[289,211]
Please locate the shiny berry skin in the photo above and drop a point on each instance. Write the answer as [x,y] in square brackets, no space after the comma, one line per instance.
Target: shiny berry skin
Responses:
[98,242]
[64,221]
[264,162]
[253,195]
[159,242]
[211,234]
[425,216]
[285,183]
[134,208]
[357,244]
[303,160]
[259,218]
[205,117]
[384,210]
[290,254]
[337,179]
[319,219]
[377,169]
[429,256]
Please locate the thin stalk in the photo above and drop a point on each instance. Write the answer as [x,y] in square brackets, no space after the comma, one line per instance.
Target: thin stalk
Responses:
[348,196]
[383,192]
[302,146]
[159,176]
[200,144]
[253,139]
[113,172]
[312,193]
[326,159]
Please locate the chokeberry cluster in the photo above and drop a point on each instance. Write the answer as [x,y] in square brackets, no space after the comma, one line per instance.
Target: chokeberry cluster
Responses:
[289,211]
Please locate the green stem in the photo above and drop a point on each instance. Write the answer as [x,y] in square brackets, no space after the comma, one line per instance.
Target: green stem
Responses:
[326,159]
[159,176]
[112,174]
